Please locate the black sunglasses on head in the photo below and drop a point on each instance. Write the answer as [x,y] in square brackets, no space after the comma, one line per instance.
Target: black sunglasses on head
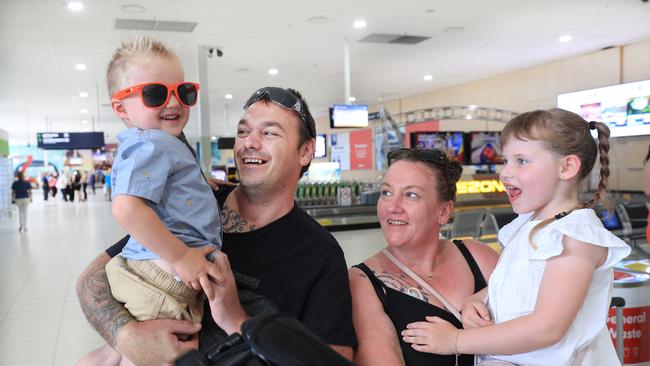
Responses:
[284,99]
[433,156]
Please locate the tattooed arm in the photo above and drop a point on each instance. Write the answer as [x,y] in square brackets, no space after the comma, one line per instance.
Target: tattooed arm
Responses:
[152,342]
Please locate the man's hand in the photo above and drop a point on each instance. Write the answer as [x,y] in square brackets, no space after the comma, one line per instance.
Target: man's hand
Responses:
[196,270]
[154,342]
[215,183]
[226,310]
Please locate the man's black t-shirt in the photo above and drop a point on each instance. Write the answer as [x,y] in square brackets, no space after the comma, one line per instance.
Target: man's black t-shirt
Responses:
[292,265]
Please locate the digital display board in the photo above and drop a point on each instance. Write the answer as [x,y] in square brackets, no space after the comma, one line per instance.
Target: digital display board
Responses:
[349,116]
[69,140]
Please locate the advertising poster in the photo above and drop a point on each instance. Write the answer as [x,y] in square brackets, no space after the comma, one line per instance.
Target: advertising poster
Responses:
[340,149]
[361,150]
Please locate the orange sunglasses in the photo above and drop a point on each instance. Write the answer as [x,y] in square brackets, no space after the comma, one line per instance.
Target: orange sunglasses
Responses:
[156,95]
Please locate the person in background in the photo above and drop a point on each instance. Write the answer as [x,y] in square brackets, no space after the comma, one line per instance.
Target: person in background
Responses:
[84,185]
[76,185]
[44,185]
[21,196]
[62,184]
[646,190]
[52,184]
[108,192]
[416,198]
[550,293]
[91,182]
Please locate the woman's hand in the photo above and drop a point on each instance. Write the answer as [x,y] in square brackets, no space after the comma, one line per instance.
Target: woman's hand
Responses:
[475,314]
[435,336]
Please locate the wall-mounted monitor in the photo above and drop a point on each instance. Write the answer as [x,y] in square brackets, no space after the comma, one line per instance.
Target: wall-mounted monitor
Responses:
[452,143]
[348,116]
[485,148]
[625,108]
[321,150]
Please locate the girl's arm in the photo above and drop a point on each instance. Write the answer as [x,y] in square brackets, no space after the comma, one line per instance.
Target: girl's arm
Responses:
[562,292]
[377,337]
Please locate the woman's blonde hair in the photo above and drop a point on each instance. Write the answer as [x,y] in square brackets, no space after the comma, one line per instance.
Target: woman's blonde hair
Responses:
[117,69]
[564,133]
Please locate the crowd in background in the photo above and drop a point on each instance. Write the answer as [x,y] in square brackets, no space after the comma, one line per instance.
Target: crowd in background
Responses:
[71,184]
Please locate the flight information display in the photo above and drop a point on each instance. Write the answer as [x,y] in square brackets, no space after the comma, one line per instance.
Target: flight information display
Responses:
[70,140]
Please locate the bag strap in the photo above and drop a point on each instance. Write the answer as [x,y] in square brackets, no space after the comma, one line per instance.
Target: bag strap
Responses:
[451,308]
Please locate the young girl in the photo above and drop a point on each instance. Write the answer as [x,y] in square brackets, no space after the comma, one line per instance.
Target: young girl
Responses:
[549,295]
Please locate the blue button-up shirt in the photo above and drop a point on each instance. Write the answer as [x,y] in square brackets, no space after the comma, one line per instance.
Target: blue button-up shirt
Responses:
[158,167]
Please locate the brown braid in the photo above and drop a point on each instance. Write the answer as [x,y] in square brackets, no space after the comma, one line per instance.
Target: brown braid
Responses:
[603,149]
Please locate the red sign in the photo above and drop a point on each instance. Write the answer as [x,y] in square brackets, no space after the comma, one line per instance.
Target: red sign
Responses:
[428,126]
[636,333]
[361,150]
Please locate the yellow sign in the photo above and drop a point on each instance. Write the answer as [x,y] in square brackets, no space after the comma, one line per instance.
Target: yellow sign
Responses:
[479,186]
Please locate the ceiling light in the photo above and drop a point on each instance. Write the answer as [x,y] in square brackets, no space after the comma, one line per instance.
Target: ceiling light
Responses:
[83,94]
[75,5]
[565,39]
[83,110]
[453,30]
[228,96]
[80,67]
[317,20]
[133,8]
[359,24]
[85,121]
[273,71]
[427,77]
[213,138]
[352,99]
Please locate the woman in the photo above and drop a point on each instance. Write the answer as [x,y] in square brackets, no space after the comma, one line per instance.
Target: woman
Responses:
[416,200]
[21,195]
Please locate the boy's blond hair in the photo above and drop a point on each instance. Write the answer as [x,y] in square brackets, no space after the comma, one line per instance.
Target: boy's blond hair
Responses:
[117,69]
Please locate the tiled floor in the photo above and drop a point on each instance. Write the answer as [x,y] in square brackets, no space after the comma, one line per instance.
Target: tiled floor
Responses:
[40,319]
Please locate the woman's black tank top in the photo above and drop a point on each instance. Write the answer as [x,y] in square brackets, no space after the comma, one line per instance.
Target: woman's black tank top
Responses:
[403,309]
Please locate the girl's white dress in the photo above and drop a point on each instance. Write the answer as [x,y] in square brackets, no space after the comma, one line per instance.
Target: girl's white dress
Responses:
[516,279]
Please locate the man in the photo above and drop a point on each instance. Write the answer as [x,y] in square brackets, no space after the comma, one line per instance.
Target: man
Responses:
[284,260]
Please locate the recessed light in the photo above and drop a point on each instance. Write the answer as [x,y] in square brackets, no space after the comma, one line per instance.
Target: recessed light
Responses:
[83,110]
[427,77]
[317,20]
[213,138]
[83,94]
[80,67]
[133,8]
[75,5]
[352,99]
[453,30]
[360,23]
[228,96]
[273,71]
[85,121]
[565,38]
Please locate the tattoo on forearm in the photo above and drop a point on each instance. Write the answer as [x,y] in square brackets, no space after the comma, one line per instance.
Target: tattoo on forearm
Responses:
[104,313]
[232,222]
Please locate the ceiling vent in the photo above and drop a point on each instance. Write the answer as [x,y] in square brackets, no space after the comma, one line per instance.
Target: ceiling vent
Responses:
[393,38]
[155,25]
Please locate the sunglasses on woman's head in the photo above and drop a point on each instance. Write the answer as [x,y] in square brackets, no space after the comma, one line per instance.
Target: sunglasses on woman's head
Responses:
[284,99]
[156,95]
[434,156]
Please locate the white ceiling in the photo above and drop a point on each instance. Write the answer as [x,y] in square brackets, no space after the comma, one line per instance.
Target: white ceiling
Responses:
[41,41]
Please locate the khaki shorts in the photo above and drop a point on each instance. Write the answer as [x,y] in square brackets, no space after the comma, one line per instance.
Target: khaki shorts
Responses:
[148,292]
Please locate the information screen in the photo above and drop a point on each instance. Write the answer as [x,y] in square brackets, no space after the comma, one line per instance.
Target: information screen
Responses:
[349,116]
[70,140]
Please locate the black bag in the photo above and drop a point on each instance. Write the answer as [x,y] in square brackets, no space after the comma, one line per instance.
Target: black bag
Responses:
[268,340]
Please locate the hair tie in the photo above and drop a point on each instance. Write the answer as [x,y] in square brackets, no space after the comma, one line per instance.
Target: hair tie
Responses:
[592,125]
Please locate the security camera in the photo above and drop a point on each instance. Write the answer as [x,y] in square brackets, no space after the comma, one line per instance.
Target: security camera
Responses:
[210,51]
[213,50]
[219,53]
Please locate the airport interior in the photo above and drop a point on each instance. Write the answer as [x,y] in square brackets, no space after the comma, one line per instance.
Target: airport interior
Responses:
[378,76]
